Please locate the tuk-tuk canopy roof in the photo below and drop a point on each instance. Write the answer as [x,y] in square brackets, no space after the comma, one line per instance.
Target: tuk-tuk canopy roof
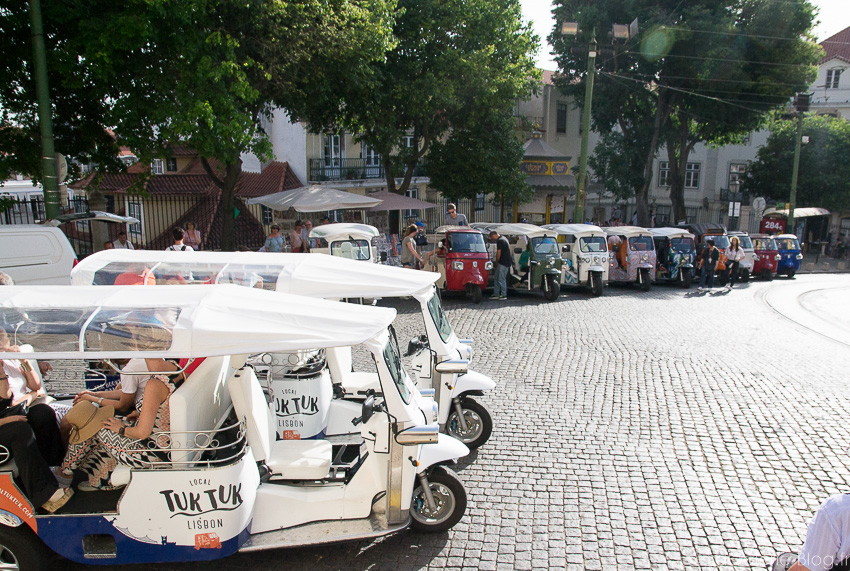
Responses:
[452,228]
[529,230]
[62,322]
[786,236]
[626,231]
[312,275]
[798,212]
[574,229]
[344,230]
[670,233]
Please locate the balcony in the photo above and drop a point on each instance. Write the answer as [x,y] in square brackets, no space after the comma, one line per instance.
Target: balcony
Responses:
[352,169]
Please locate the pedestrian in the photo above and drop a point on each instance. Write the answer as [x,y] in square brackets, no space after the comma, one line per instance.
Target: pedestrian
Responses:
[178,245]
[122,242]
[325,220]
[503,264]
[192,236]
[455,219]
[409,255]
[734,255]
[274,242]
[421,237]
[309,243]
[108,245]
[827,545]
[296,238]
[707,263]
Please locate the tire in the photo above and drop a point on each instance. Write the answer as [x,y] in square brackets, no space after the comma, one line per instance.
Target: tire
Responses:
[791,274]
[551,288]
[478,421]
[596,284]
[474,293]
[745,276]
[450,496]
[644,279]
[20,548]
[687,278]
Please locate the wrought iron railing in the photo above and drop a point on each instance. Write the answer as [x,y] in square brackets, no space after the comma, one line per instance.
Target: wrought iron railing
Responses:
[352,169]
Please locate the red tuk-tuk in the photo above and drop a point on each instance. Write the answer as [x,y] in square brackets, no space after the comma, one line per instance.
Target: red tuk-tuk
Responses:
[462,260]
[767,257]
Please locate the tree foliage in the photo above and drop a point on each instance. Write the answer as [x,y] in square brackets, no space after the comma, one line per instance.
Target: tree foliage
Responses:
[484,157]
[824,176]
[456,63]
[699,71]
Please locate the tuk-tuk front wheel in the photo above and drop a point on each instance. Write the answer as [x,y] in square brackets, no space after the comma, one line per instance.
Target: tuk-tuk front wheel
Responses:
[20,548]
[687,277]
[449,501]
[474,293]
[644,279]
[551,288]
[745,276]
[479,424]
[596,284]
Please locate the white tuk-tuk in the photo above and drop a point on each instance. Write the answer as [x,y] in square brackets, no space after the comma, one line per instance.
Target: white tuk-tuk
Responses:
[223,483]
[347,240]
[326,277]
[585,251]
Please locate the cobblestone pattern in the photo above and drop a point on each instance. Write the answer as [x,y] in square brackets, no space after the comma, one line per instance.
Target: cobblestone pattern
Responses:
[660,430]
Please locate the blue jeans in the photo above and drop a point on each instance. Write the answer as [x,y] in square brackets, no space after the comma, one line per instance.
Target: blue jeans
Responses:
[500,284]
[706,272]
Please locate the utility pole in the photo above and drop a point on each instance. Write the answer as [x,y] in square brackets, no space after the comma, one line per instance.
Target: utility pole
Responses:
[578,214]
[45,122]
[802,105]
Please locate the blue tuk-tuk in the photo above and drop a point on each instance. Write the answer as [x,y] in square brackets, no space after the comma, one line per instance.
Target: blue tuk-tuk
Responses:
[790,254]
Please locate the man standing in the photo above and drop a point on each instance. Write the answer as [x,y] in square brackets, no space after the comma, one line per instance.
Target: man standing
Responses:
[503,263]
[710,256]
[122,242]
[296,240]
[455,219]
[178,245]
[305,235]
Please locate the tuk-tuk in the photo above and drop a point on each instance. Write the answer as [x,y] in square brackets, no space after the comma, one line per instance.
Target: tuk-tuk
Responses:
[537,260]
[633,259]
[346,240]
[219,469]
[745,266]
[462,260]
[676,252]
[327,277]
[585,250]
[790,254]
[717,233]
[766,259]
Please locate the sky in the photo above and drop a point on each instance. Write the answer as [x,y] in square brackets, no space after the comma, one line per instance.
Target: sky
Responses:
[834,17]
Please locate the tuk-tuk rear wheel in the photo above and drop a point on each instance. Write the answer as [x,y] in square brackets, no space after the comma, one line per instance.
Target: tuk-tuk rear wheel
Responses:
[20,548]
[479,424]
[745,276]
[449,496]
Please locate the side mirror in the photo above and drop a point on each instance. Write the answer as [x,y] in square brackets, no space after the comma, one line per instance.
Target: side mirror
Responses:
[383,256]
[416,344]
[567,248]
[517,250]
[368,409]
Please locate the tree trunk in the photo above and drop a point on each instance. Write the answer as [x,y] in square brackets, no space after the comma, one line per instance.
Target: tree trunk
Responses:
[227,184]
[662,114]
[679,148]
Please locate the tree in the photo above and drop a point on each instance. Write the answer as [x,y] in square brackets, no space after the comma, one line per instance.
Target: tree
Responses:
[824,179]
[706,70]
[455,63]
[485,157]
[207,73]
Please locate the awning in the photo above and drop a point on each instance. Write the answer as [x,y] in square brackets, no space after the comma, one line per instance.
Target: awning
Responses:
[315,198]
[551,180]
[798,212]
[393,201]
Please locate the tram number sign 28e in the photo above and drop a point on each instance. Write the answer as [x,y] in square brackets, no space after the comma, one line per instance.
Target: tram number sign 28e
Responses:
[773,225]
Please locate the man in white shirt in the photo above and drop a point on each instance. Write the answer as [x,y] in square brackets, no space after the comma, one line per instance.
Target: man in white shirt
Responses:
[122,242]
[178,245]
[827,545]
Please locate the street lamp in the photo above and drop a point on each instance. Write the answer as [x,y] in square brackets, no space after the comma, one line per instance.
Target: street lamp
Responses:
[618,32]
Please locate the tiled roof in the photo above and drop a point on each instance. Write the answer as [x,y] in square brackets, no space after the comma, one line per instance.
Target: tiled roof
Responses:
[248,229]
[837,46]
[276,177]
[180,185]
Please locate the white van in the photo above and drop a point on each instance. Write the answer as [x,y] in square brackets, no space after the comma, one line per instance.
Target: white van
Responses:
[41,253]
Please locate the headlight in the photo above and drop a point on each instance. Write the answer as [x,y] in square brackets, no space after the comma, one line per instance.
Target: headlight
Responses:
[799,256]
[756,257]
[644,258]
[777,257]
[588,259]
[457,265]
[488,266]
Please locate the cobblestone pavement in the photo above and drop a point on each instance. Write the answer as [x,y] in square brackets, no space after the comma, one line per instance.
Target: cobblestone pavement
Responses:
[660,430]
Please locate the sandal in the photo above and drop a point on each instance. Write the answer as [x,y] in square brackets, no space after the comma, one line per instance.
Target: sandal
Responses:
[51,505]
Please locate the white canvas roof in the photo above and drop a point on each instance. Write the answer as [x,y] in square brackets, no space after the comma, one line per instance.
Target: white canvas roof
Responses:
[312,275]
[529,230]
[63,322]
[343,230]
[626,231]
[670,232]
[316,198]
[576,229]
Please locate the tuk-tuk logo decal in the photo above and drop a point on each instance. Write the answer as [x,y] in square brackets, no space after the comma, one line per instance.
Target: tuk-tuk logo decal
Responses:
[192,504]
[15,503]
[207,541]
[303,405]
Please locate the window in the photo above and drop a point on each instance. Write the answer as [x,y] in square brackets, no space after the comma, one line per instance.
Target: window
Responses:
[479,201]
[561,117]
[832,77]
[662,216]
[692,171]
[371,160]
[332,150]
[267,215]
[736,173]
[412,192]
[134,209]
[157,166]
[663,173]
[171,164]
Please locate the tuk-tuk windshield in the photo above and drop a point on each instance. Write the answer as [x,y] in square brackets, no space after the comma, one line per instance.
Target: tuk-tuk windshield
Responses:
[392,357]
[787,244]
[186,273]
[745,242]
[593,244]
[466,242]
[641,243]
[720,240]
[764,244]
[351,249]
[435,308]
[545,245]
[682,245]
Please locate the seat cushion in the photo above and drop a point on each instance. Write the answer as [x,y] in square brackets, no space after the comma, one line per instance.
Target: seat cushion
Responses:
[300,459]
